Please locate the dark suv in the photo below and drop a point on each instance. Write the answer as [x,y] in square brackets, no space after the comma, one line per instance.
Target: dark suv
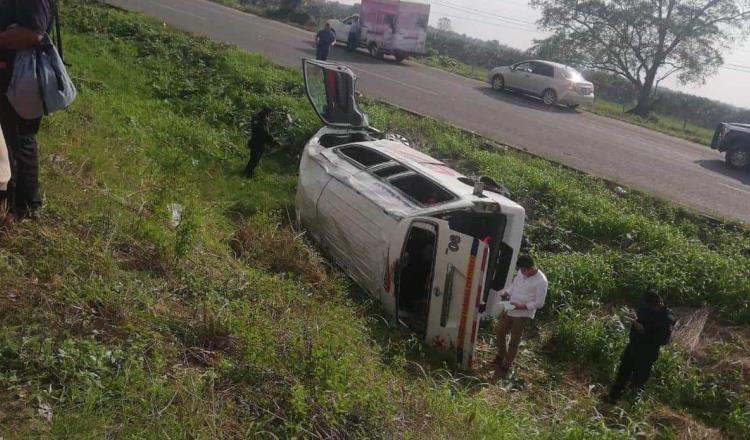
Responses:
[735,140]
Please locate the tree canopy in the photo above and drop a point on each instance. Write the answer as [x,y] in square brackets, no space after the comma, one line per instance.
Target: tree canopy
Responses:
[645,41]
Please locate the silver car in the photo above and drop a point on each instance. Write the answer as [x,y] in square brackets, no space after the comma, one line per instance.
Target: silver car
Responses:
[554,83]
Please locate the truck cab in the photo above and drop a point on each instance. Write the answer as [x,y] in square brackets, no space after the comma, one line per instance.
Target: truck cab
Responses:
[734,140]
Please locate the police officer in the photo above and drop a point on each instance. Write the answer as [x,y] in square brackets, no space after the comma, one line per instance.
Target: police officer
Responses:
[650,329]
[260,136]
[324,40]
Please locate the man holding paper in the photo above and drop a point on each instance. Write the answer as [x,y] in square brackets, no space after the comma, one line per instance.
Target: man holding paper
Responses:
[525,296]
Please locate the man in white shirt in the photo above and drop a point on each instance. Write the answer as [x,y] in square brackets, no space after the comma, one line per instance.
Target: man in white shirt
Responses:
[526,295]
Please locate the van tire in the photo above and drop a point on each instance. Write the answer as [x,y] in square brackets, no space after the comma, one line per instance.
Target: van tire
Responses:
[738,157]
[498,83]
[549,97]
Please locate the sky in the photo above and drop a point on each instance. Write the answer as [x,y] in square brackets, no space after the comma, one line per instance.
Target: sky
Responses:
[512,22]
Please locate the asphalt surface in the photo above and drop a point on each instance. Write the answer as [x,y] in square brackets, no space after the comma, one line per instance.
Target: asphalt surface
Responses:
[658,164]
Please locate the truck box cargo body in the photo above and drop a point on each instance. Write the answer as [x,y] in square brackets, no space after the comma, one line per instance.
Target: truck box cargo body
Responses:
[389,27]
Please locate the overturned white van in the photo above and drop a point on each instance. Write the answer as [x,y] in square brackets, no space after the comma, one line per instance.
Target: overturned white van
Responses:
[425,241]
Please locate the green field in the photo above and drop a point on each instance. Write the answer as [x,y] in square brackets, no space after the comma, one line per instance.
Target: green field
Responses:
[115,323]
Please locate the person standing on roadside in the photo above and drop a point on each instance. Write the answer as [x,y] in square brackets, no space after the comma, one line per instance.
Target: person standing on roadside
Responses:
[324,40]
[651,327]
[23,24]
[260,136]
[526,295]
[353,38]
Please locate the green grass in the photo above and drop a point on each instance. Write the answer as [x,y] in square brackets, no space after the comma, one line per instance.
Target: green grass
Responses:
[658,122]
[116,324]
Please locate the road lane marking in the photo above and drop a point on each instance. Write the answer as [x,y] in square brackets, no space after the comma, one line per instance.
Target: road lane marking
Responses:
[734,188]
[367,72]
[159,5]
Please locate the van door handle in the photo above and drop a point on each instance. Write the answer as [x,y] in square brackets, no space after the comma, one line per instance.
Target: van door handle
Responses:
[447,296]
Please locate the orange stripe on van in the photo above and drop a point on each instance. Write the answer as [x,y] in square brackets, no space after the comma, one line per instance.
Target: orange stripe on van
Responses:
[467,297]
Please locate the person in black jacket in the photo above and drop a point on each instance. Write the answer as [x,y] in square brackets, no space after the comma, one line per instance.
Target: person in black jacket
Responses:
[22,26]
[260,136]
[651,328]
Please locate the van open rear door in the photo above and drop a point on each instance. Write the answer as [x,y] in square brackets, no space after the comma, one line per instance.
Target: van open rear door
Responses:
[331,90]
[460,272]
[440,285]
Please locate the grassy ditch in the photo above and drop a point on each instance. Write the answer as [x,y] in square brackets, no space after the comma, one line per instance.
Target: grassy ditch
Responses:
[118,322]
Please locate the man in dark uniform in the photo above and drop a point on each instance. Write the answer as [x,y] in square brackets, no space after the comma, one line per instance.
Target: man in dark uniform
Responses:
[23,24]
[260,136]
[323,42]
[651,328]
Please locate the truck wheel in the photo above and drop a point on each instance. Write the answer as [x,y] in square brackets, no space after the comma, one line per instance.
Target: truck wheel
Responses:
[738,157]
[400,57]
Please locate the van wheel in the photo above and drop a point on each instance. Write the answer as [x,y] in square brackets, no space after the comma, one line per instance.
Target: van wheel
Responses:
[549,97]
[498,83]
[738,157]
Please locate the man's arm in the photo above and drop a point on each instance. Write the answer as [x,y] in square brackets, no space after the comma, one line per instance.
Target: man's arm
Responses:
[538,302]
[19,38]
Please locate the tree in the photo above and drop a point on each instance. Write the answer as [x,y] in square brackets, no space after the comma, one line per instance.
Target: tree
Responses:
[647,41]
[445,25]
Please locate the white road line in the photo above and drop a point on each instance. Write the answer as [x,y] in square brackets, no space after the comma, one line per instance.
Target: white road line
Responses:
[744,191]
[367,72]
[159,5]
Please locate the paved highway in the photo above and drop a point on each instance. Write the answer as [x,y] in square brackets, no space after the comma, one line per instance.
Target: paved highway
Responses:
[661,165]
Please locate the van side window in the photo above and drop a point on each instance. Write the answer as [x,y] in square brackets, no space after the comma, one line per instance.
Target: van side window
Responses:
[421,189]
[362,156]
[390,171]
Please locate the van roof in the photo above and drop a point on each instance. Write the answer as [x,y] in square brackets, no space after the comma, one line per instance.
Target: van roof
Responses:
[437,171]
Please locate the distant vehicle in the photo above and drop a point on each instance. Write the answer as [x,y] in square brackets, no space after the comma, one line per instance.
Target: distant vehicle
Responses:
[422,239]
[389,27]
[554,83]
[734,139]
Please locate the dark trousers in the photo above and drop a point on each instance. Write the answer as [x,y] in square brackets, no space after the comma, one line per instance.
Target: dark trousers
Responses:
[351,43]
[20,136]
[322,53]
[635,368]
[256,152]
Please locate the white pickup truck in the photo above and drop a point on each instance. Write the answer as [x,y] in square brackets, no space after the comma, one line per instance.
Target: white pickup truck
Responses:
[388,27]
